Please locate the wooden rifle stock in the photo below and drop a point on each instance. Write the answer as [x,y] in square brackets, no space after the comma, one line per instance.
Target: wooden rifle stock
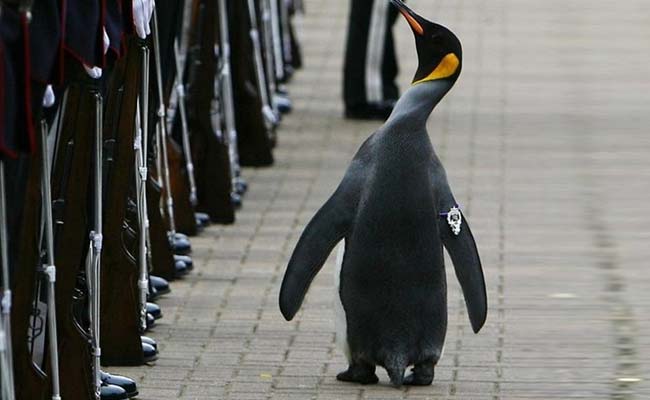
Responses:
[162,258]
[120,330]
[184,211]
[70,177]
[180,190]
[23,200]
[255,146]
[170,15]
[210,153]
[31,382]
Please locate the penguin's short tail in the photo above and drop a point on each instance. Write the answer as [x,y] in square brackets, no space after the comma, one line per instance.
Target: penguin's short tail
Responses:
[396,366]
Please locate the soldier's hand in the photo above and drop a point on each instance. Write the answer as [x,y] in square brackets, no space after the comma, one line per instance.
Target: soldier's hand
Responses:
[142,11]
[96,72]
[48,97]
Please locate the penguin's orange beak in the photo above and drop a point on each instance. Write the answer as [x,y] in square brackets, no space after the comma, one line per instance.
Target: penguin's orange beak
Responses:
[409,15]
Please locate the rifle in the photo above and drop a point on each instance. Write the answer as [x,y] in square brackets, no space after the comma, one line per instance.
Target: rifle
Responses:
[161,131]
[270,116]
[159,236]
[227,101]
[119,272]
[266,21]
[186,219]
[277,8]
[287,48]
[293,45]
[210,152]
[162,257]
[31,382]
[166,148]
[21,184]
[254,143]
[70,186]
[49,268]
[7,390]
[141,174]
[180,188]
[93,265]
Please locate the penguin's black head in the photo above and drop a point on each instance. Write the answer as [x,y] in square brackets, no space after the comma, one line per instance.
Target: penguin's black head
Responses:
[440,54]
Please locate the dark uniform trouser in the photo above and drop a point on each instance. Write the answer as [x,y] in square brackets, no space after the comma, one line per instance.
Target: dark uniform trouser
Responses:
[370,63]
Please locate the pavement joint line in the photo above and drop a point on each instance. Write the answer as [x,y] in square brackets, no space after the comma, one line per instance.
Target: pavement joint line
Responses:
[503,171]
[623,324]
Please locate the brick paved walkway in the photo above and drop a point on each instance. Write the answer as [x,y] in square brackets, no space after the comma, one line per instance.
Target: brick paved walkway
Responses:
[546,141]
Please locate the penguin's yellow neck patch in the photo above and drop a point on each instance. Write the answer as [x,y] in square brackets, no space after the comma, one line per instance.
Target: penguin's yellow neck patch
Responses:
[446,68]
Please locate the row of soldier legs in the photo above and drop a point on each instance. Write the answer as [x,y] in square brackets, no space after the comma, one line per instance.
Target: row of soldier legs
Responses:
[95,223]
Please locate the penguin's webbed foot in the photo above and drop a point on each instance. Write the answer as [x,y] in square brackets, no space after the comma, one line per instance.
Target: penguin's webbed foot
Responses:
[421,375]
[363,374]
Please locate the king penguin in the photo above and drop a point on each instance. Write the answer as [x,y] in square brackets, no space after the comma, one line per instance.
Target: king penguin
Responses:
[394,211]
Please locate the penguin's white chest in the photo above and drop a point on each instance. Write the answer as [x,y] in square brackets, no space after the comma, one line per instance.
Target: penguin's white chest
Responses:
[340,318]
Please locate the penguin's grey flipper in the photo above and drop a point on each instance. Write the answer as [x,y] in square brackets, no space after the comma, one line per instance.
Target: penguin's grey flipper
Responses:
[324,231]
[467,264]
[330,224]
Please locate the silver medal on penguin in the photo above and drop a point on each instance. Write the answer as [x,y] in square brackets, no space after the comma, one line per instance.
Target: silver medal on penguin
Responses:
[455,220]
